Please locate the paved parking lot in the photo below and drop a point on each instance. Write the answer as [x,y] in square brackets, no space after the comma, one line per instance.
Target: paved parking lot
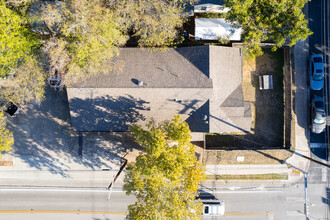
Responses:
[45,141]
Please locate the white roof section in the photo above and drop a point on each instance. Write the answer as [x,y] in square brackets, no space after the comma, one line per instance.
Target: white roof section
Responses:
[216,8]
[212,28]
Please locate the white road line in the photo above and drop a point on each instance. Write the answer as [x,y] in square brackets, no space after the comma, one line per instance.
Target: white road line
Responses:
[116,190]
[56,190]
[243,192]
[294,213]
[270,217]
[295,199]
[324,174]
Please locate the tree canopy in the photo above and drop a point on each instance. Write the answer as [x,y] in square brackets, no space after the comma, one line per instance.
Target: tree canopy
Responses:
[86,39]
[6,137]
[155,23]
[15,41]
[166,176]
[272,20]
[21,78]
[27,84]
[94,37]
[91,31]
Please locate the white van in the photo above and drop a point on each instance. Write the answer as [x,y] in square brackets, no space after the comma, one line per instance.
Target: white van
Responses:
[213,207]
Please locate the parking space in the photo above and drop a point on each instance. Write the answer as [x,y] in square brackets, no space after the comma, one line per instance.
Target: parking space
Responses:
[44,140]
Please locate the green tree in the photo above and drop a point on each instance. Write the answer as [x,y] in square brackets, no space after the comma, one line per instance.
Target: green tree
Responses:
[88,39]
[6,137]
[155,23]
[166,176]
[16,42]
[26,84]
[273,20]
[21,78]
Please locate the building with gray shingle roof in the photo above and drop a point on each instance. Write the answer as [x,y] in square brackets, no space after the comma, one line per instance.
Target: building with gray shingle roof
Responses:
[202,84]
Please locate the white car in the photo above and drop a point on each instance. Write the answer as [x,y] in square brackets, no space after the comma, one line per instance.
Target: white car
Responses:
[316,70]
[213,207]
[318,118]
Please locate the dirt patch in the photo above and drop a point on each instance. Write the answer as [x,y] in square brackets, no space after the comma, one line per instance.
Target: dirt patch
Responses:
[6,163]
[250,156]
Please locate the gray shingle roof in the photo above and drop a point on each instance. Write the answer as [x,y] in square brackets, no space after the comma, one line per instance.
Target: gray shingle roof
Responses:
[115,109]
[194,82]
[226,72]
[175,68]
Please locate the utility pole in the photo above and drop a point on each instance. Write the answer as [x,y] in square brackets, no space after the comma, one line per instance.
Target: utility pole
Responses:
[115,178]
[306,205]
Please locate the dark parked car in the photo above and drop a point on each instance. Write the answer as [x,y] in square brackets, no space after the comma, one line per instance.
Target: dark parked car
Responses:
[10,108]
[316,70]
[318,120]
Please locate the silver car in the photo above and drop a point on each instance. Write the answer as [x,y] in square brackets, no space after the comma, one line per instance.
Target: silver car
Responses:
[55,80]
[316,69]
[318,115]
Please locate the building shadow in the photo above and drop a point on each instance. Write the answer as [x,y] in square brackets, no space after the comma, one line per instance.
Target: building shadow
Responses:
[267,132]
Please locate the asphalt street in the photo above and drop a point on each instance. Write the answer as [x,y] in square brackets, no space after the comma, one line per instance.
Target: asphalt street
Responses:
[318,13]
[318,177]
[61,203]
[58,203]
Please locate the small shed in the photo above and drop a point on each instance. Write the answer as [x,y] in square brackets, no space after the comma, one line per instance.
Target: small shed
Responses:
[212,28]
[265,82]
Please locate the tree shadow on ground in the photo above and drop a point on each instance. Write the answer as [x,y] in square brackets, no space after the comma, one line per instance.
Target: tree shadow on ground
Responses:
[44,140]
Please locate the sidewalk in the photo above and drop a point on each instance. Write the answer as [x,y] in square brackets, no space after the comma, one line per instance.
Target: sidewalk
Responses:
[64,171]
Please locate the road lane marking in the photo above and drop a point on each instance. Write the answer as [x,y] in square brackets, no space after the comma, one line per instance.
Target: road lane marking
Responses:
[121,191]
[295,199]
[58,190]
[248,213]
[63,212]
[249,191]
[324,174]
[115,212]
[294,213]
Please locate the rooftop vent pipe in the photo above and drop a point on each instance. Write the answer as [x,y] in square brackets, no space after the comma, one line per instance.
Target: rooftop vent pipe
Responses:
[204,117]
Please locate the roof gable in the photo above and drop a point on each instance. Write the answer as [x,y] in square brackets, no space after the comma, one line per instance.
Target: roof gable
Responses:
[175,68]
[202,84]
